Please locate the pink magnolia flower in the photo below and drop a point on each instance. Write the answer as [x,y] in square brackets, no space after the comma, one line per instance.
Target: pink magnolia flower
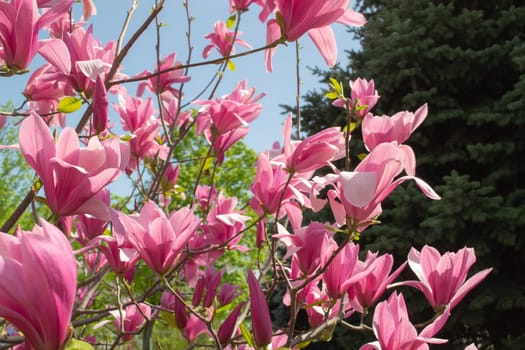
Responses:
[89,9]
[261,322]
[144,144]
[195,327]
[122,257]
[223,142]
[363,97]
[72,176]
[42,258]
[224,223]
[138,116]
[134,112]
[227,293]
[363,190]
[310,246]
[313,152]
[89,227]
[89,6]
[164,81]
[224,120]
[130,320]
[174,304]
[319,306]
[222,40]
[100,105]
[394,330]
[397,128]
[159,239]
[84,59]
[344,271]
[45,87]
[227,328]
[19,29]
[297,17]
[367,291]
[242,5]
[443,279]
[208,282]
[229,112]
[268,187]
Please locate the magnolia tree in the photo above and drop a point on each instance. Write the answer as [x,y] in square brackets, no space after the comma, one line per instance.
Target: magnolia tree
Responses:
[161,264]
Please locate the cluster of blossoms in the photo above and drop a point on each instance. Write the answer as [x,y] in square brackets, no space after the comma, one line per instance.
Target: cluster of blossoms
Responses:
[98,265]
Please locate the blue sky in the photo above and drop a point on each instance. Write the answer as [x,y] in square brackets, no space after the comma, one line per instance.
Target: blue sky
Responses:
[280,85]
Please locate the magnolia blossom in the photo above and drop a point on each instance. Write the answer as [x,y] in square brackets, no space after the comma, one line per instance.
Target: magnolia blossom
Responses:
[267,188]
[224,223]
[224,120]
[134,112]
[394,330]
[310,246]
[45,87]
[363,97]
[19,29]
[242,5]
[443,278]
[38,285]
[83,58]
[72,176]
[344,271]
[130,320]
[171,302]
[222,40]
[157,238]
[261,322]
[397,128]
[362,191]
[313,152]
[227,328]
[162,83]
[297,17]
[366,291]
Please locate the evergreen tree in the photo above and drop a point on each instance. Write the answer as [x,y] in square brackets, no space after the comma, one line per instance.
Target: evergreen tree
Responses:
[467,60]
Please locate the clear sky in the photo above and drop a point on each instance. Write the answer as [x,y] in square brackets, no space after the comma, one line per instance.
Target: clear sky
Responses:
[280,85]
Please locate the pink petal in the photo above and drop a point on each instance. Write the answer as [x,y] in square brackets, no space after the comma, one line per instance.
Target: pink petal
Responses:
[37,144]
[324,40]
[352,18]
[468,285]
[273,33]
[56,53]
[358,187]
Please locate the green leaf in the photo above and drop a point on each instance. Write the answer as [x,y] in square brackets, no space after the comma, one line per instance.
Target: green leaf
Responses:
[247,334]
[76,344]
[231,65]
[230,22]
[332,95]
[353,126]
[126,137]
[69,104]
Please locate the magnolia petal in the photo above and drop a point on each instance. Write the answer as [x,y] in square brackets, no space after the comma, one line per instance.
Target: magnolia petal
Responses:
[352,18]
[429,331]
[358,187]
[57,54]
[37,144]
[273,33]
[324,40]
[468,285]
[371,346]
